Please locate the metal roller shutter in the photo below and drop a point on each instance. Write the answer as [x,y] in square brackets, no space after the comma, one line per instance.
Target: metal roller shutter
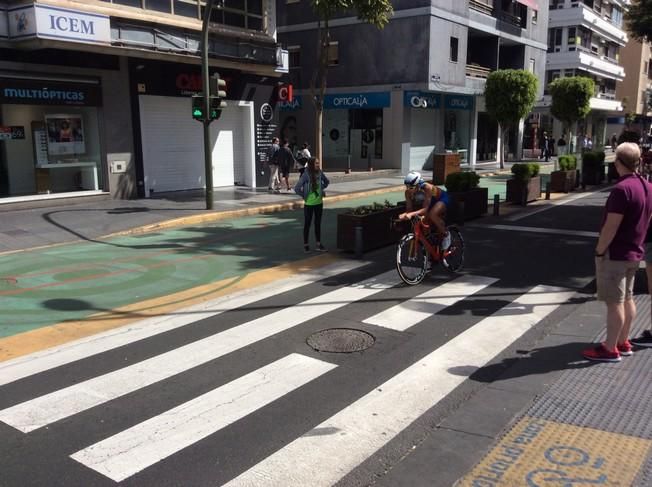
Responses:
[173,155]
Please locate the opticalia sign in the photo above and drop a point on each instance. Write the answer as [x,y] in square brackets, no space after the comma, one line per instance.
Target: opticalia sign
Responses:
[358,100]
[421,99]
[58,23]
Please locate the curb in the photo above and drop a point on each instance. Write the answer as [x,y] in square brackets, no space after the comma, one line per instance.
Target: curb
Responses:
[228,214]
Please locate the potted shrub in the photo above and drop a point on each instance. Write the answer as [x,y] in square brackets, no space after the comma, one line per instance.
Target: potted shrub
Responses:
[375,222]
[592,167]
[525,186]
[467,200]
[563,180]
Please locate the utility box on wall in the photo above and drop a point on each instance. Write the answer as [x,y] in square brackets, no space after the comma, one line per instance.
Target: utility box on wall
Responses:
[443,165]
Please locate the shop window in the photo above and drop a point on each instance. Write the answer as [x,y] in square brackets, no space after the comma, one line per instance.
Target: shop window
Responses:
[454,44]
[333,54]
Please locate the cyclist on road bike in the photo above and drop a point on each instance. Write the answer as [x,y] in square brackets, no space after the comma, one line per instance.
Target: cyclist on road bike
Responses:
[435,202]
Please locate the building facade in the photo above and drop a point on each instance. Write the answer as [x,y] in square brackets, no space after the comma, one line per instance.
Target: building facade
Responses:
[635,90]
[95,95]
[398,96]
[585,39]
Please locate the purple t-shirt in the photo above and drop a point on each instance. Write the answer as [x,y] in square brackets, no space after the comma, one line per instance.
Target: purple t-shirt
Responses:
[629,198]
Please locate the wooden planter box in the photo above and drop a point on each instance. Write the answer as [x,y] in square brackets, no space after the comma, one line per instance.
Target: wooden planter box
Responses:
[377,230]
[522,192]
[562,181]
[473,202]
[443,165]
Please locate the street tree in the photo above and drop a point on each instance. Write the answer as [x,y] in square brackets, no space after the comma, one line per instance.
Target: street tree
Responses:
[374,12]
[571,100]
[638,19]
[509,96]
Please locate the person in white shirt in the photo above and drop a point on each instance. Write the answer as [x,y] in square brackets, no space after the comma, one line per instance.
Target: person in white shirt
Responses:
[303,156]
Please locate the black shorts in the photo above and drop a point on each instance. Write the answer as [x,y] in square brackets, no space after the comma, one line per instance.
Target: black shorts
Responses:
[285,170]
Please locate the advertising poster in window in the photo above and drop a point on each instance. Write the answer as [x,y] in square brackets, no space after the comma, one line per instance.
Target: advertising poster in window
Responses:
[65,134]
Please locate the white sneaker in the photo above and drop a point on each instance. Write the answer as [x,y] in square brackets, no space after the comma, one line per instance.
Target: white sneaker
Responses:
[446,241]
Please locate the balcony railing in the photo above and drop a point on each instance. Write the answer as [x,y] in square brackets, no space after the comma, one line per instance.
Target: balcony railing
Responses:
[509,18]
[606,95]
[477,71]
[486,7]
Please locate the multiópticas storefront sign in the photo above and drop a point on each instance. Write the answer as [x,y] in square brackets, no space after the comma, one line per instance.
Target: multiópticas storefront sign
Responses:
[44,92]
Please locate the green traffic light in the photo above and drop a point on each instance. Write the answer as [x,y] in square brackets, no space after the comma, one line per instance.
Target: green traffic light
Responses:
[197,112]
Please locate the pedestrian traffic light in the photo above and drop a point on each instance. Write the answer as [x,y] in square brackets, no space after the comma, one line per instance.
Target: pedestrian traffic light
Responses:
[218,95]
[198,107]
[216,101]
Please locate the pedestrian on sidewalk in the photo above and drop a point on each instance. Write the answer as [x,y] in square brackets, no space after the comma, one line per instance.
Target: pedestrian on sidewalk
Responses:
[303,156]
[311,186]
[286,161]
[545,147]
[645,339]
[618,253]
[272,160]
[561,145]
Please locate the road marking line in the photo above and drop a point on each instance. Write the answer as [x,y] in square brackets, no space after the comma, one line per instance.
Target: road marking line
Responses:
[130,451]
[61,344]
[550,205]
[553,231]
[372,421]
[409,313]
[36,413]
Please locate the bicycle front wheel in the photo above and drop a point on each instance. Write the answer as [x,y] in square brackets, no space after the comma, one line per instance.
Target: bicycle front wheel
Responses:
[411,260]
[453,258]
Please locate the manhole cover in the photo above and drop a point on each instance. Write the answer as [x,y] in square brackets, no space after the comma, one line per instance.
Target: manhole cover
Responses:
[340,340]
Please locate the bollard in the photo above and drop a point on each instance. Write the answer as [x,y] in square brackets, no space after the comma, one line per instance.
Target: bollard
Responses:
[460,214]
[548,190]
[358,242]
[496,205]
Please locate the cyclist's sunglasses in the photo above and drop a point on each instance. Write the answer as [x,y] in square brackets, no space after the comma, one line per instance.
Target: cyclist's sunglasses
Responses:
[412,186]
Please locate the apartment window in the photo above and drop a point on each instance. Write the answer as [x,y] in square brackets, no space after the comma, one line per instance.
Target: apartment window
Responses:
[333,54]
[531,66]
[454,47]
[187,8]
[645,67]
[294,54]
[535,16]
[572,36]
[552,76]
[128,3]
[164,6]
[554,39]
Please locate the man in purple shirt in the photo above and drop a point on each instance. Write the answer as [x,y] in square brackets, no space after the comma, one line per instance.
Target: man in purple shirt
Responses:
[619,251]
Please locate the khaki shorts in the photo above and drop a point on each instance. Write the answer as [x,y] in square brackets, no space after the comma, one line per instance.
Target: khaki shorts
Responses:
[615,279]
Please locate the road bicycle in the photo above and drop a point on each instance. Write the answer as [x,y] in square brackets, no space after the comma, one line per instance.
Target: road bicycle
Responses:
[418,250]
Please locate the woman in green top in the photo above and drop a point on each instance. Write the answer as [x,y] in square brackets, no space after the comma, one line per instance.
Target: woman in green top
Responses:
[311,187]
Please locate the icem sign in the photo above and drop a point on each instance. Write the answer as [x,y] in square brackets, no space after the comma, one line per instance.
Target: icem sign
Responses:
[58,23]
[421,99]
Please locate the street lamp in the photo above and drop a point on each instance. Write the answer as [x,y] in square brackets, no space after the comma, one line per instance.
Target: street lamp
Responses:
[208,162]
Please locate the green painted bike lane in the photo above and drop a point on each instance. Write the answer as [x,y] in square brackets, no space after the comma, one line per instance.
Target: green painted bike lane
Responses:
[42,287]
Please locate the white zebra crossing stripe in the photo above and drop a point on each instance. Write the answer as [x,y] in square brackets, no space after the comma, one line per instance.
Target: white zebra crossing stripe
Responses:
[36,413]
[41,361]
[369,423]
[409,313]
[135,449]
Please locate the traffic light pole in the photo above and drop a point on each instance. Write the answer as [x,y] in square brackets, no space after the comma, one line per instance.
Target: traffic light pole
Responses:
[208,160]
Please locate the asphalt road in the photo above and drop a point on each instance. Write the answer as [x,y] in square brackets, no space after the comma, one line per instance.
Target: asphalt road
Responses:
[230,392]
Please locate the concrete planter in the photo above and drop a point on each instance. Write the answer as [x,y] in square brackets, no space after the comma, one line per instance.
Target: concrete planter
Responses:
[466,205]
[521,192]
[562,181]
[376,229]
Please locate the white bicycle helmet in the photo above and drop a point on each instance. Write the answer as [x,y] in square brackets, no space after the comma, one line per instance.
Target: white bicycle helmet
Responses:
[413,178]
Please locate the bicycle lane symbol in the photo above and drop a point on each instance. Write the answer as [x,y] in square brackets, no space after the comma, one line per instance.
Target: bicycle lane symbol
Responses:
[565,456]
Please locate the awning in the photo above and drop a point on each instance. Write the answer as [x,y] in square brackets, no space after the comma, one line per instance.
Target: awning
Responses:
[533,4]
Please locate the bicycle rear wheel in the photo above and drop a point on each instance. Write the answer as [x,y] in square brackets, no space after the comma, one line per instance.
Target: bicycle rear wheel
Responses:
[411,260]
[453,258]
